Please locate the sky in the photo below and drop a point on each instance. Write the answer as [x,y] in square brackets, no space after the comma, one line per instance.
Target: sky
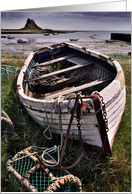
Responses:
[69,20]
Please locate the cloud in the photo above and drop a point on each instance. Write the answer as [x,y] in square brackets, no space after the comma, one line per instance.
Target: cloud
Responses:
[68,20]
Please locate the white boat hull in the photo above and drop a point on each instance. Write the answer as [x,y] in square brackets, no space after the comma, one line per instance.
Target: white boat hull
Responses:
[90,132]
[114,97]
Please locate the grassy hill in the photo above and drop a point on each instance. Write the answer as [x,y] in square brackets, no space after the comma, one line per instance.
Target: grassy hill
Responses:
[31,25]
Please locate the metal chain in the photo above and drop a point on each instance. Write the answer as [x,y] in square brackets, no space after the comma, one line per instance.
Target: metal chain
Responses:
[104,110]
[78,111]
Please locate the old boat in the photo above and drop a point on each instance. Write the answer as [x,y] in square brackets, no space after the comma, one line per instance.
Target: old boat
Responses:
[46,34]
[10,37]
[51,77]
[92,37]
[73,39]
[22,40]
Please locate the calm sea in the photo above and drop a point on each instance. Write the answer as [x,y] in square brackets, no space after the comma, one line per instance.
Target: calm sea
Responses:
[39,40]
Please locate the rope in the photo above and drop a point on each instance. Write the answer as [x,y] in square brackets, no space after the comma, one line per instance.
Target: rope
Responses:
[60,120]
[57,101]
[48,128]
[54,148]
[47,152]
[68,95]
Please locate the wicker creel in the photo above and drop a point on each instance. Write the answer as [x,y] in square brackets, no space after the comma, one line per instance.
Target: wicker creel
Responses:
[7,71]
[26,174]
[7,127]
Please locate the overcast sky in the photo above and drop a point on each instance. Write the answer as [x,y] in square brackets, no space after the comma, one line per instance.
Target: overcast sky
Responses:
[69,20]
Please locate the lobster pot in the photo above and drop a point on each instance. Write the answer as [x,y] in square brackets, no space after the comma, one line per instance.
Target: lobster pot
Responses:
[3,72]
[9,71]
[26,174]
[7,127]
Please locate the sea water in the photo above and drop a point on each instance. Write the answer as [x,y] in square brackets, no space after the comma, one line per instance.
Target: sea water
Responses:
[93,40]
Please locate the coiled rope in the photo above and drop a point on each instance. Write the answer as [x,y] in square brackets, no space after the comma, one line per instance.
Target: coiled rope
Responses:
[55,148]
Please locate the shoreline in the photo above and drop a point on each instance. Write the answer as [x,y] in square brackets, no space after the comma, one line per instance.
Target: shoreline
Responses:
[116,47]
[8,31]
[19,31]
[102,43]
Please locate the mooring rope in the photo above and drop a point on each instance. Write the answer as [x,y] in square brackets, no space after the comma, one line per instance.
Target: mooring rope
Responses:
[47,151]
[54,148]
[48,128]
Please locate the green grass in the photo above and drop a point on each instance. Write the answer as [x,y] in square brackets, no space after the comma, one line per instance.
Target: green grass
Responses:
[108,174]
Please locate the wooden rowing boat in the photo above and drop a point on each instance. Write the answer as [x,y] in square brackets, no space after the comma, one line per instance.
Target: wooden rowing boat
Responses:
[74,39]
[46,34]
[10,37]
[22,40]
[51,77]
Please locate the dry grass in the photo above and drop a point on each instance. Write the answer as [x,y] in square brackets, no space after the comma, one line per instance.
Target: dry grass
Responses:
[13,59]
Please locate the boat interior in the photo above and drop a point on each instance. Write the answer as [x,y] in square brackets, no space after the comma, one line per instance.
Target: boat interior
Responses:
[60,70]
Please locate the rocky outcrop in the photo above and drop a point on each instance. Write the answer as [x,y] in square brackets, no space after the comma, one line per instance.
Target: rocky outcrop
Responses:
[30,24]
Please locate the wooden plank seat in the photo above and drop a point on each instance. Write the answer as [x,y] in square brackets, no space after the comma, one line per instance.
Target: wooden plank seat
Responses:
[54,60]
[77,60]
[79,88]
[58,72]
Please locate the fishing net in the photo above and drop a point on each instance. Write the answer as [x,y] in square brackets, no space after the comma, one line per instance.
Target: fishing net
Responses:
[7,71]
[27,174]
[7,127]
[3,72]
